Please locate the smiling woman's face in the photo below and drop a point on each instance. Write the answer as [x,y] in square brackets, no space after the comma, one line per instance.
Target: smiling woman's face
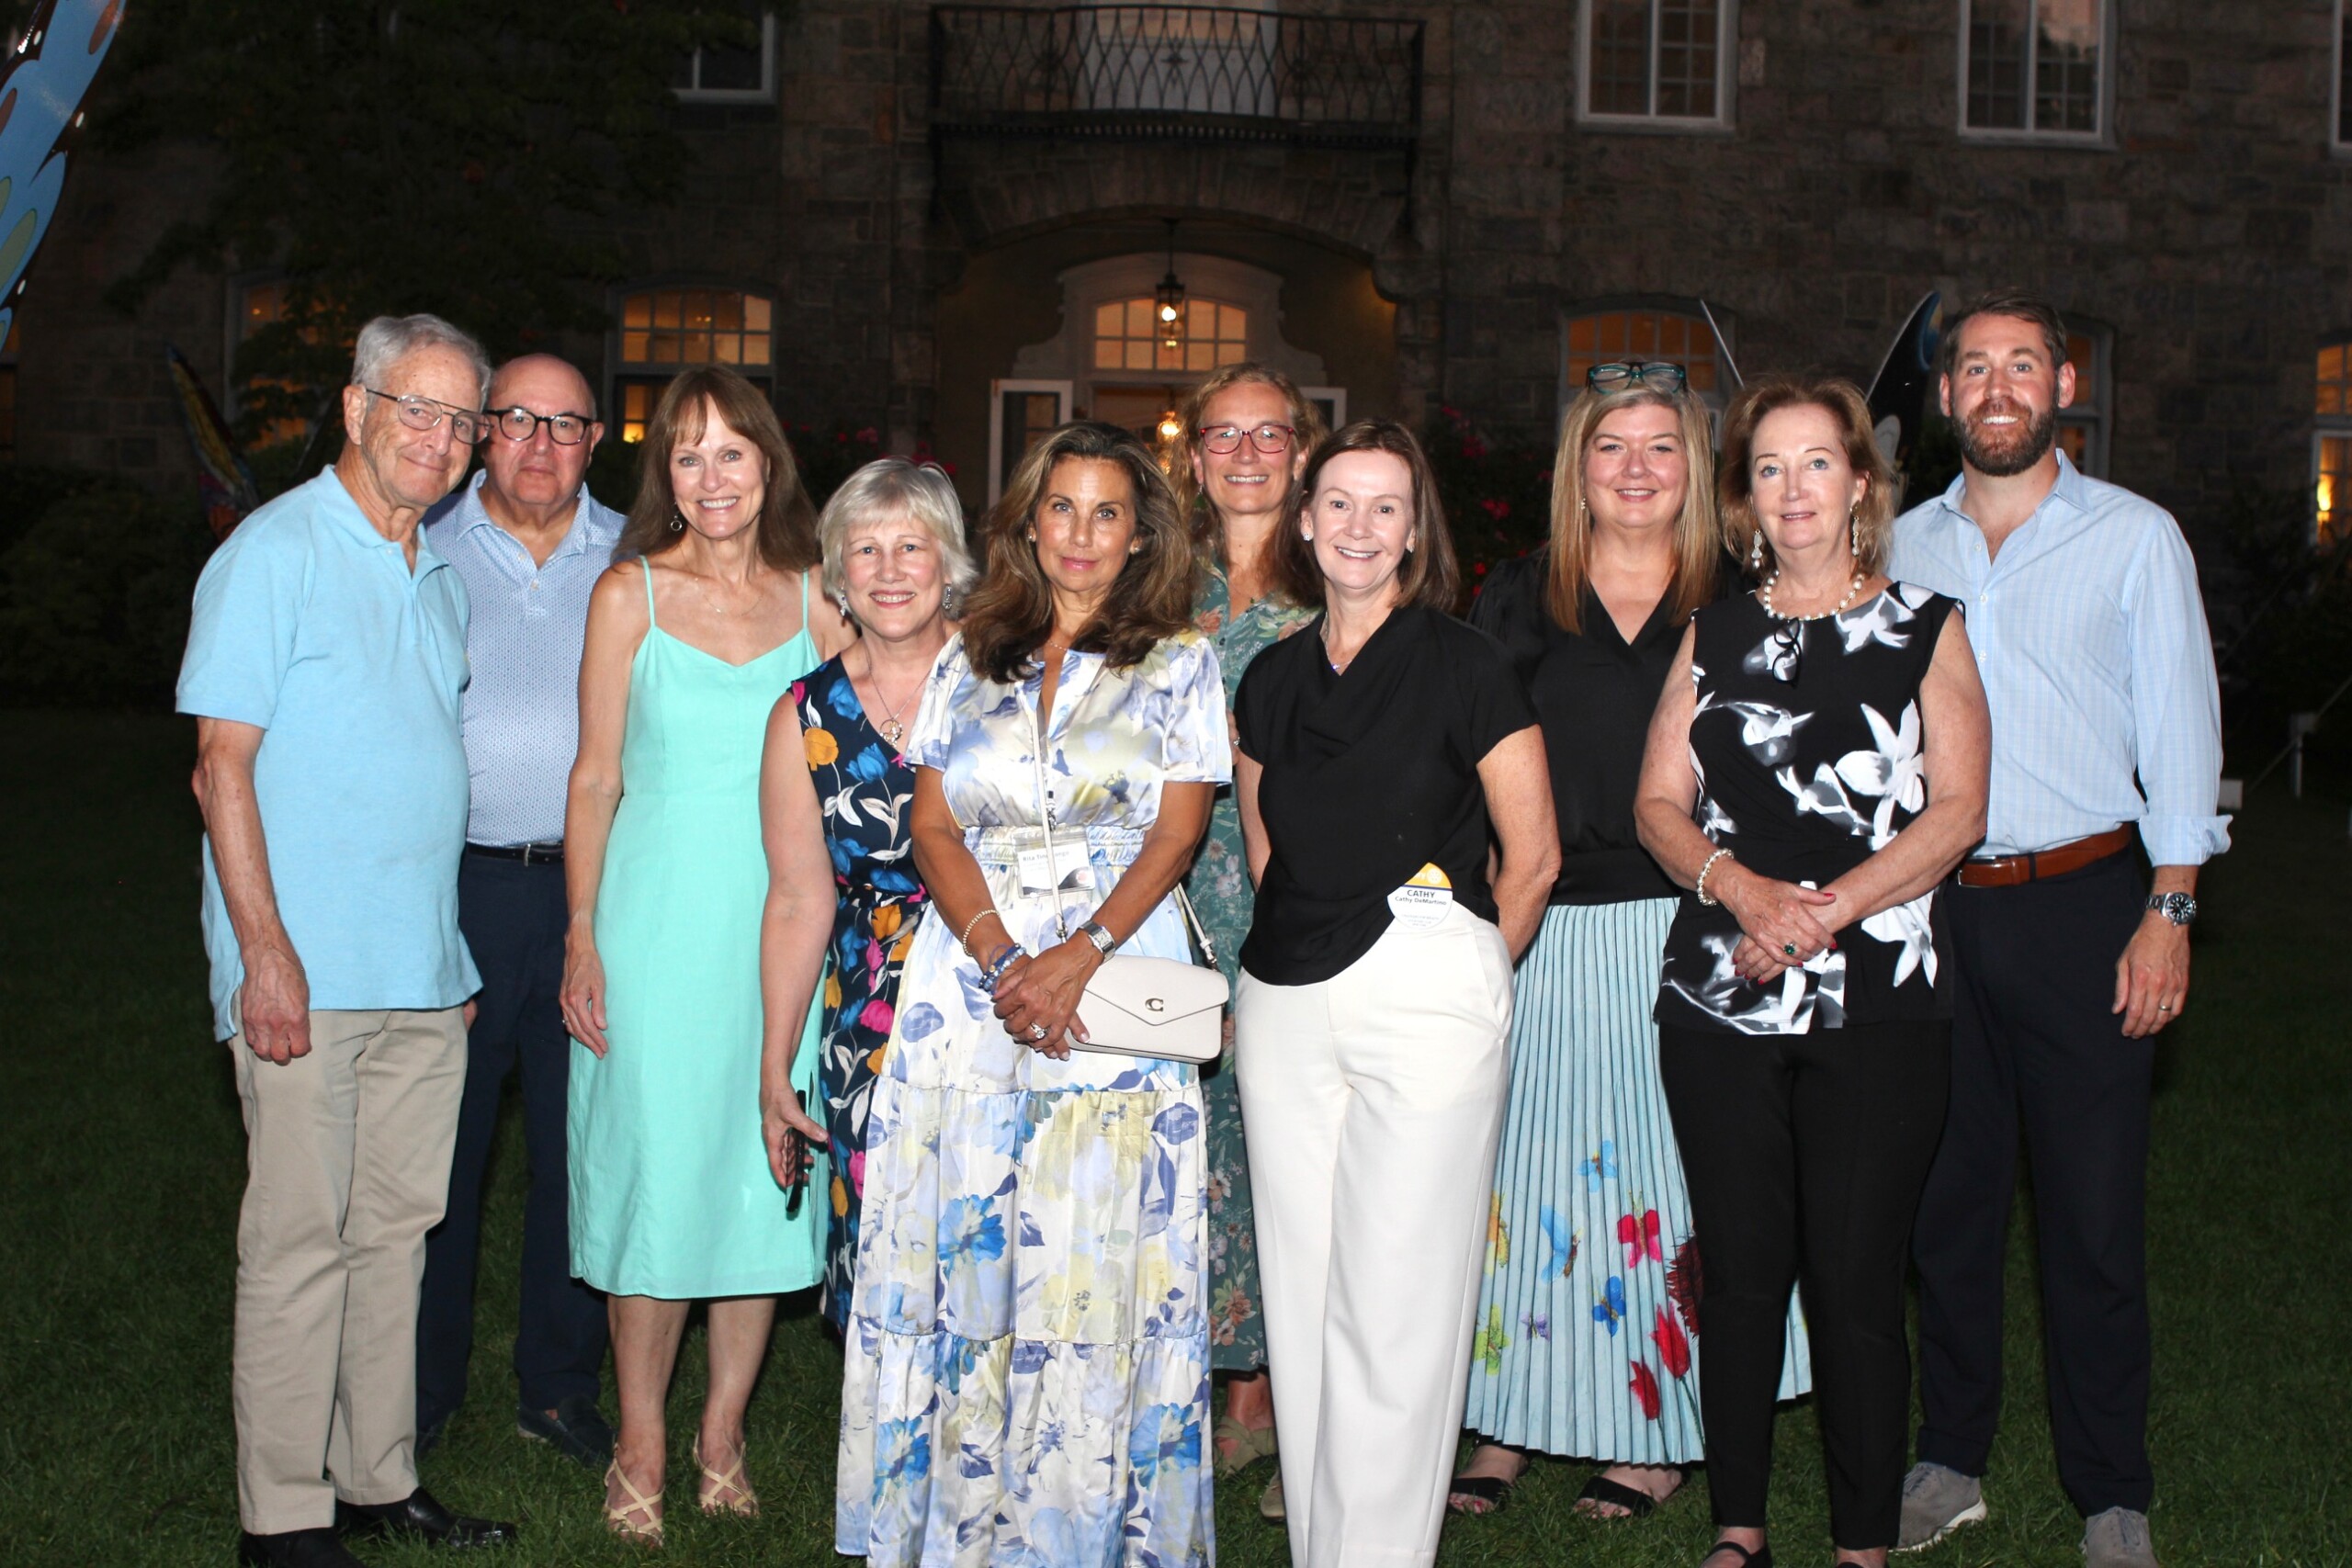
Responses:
[1085,524]
[1360,520]
[1801,482]
[719,481]
[1637,473]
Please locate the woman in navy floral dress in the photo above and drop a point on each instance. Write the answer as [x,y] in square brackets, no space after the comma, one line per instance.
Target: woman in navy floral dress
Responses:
[893,538]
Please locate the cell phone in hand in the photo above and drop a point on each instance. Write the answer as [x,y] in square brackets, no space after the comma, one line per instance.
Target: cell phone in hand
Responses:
[795,1160]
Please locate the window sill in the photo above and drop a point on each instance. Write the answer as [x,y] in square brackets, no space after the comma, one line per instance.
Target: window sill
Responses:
[1655,125]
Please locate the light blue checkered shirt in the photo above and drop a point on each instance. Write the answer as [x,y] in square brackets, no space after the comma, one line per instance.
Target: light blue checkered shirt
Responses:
[522,713]
[2097,666]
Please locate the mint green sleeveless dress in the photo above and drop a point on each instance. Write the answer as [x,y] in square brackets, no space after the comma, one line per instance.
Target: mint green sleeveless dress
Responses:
[670,1194]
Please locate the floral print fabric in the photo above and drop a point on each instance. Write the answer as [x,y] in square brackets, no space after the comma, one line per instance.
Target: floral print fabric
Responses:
[1026,1379]
[1808,749]
[1224,898]
[863,792]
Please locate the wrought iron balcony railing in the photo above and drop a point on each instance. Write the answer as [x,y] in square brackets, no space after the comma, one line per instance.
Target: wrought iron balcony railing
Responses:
[1180,72]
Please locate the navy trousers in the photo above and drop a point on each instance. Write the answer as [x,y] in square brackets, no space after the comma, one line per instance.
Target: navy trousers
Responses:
[513,917]
[2036,1047]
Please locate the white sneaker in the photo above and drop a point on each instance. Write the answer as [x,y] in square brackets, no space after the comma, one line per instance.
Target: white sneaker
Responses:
[1938,1500]
[2117,1538]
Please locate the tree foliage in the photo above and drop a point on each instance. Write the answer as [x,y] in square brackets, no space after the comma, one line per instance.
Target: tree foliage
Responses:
[458,156]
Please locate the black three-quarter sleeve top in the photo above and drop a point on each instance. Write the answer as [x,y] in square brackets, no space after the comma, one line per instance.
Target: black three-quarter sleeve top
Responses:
[1367,777]
[1594,694]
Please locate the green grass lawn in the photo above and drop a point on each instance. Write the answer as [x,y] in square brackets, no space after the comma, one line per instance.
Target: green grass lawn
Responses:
[123,1161]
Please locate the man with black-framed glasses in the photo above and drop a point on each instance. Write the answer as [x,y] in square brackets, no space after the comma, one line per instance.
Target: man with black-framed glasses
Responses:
[530,542]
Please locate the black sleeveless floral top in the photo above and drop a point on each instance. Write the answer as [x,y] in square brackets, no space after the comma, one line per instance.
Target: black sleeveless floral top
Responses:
[1807,745]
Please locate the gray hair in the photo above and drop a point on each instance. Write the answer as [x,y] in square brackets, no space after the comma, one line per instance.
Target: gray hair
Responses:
[897,487]
[387,340]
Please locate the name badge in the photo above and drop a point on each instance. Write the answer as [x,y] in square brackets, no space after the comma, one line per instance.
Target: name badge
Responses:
[1422,902]
[1037,877]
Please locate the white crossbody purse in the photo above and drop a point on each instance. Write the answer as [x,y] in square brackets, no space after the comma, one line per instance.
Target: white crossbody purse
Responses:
[1135,1006]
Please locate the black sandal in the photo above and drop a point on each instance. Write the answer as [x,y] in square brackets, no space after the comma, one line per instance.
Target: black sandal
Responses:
[1759,1558]
[1491,1490]
[1637,1504]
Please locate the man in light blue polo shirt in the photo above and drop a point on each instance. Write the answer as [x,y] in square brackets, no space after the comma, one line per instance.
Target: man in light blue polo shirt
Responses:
[325,663]
[2083,611]
[530,543]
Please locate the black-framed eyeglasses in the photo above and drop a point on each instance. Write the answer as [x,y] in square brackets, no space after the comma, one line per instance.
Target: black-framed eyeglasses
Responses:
[466,426]
[519,423]
[1270,439]
[1784,655]
[1655,375]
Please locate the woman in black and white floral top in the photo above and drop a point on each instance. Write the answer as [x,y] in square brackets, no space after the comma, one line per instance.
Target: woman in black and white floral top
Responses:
[1816,767]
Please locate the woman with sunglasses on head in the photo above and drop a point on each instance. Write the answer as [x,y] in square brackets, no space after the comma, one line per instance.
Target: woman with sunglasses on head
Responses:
[1816,767]
[1584,1339]
[1248,431]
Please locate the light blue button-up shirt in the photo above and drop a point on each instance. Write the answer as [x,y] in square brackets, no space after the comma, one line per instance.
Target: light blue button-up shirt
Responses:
[2097,666]
[529,622]
[312,627]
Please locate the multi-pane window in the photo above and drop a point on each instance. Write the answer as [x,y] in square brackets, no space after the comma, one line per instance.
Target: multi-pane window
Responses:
[730,74]
[1127,336]
[2033,67]
[1656,60]
[2332,440]
[665,329]
[2082,424]
[1645,335]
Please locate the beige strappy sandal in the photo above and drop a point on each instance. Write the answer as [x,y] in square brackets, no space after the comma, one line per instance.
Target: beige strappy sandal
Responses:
[725,1492]
[639,1518]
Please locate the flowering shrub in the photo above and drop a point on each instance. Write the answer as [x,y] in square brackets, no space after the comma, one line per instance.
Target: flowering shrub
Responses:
[1496,490]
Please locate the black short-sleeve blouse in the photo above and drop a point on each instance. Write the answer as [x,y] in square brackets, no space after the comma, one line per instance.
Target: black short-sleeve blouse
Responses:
[1367,777]
[1593,694]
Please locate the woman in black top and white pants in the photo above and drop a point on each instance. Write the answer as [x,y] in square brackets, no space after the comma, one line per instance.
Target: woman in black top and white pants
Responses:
[1377,750]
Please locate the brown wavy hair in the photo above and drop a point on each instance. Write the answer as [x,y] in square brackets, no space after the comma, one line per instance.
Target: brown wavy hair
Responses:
[787,525]
[1011,613]
[1307,432]
[1844,402]
[1698,543]
[1429,576]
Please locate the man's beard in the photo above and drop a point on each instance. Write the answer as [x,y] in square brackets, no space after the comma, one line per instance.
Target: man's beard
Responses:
[2011,450]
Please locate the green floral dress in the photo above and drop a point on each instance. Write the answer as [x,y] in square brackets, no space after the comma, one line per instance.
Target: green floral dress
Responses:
[1225,899]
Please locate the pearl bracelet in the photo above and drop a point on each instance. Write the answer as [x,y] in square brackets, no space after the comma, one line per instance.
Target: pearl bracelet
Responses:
[1699,884]
[964,938]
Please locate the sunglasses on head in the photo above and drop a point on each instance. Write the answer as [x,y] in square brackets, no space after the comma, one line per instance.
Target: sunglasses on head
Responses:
[1655,375]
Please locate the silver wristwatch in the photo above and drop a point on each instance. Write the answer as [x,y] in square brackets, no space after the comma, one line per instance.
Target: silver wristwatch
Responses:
[1100,935]
[2180,908]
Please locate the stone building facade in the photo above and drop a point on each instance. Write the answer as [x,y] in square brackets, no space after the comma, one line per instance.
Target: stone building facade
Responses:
[1422,202]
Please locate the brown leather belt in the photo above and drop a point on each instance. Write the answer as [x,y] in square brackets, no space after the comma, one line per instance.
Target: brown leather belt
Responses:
[2010,871]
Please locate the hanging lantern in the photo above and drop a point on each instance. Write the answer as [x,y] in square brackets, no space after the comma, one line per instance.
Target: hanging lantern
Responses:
[1167,300]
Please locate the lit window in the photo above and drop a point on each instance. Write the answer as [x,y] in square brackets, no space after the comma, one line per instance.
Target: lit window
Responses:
[259,306]
[1656,61]
[8,387]
[2332,439]
[665,329]
[740,75]
[2033,67]
[2082,424]
[1126,336]
[1645,335]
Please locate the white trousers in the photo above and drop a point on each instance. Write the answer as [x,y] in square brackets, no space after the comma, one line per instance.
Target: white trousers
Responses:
[1373,1101]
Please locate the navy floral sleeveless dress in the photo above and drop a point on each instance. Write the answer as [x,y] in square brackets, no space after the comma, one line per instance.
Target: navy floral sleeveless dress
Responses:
[865,792]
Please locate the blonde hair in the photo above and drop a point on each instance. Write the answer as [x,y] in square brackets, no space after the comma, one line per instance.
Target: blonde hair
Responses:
[1698,549]
[1844,402]
[896,487]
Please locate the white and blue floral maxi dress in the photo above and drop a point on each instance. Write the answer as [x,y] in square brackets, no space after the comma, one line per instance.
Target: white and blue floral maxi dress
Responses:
[1027,1373]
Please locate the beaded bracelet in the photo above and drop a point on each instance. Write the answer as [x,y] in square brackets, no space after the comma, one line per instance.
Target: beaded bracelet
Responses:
[994,972]
[1699,885]
[964,937]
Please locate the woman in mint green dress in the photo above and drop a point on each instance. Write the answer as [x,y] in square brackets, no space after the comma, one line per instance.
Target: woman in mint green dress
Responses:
[1246,431]
[689,648]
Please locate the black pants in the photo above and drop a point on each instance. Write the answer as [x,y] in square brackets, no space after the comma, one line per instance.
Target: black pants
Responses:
[513,917]
[2036,1044]
[1804,1155]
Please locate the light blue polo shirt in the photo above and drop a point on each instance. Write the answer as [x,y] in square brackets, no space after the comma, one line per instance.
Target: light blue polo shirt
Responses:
[309,625]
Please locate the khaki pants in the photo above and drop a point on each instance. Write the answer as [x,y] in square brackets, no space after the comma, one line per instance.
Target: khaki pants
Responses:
[1373,1101]
[347,1166]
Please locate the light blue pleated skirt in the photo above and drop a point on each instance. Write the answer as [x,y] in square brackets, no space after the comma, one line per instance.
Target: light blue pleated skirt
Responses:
[1588,1339]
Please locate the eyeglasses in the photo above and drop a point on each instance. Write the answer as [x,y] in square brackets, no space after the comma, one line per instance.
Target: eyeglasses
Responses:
[424,414]
[1784,652]
[1222,439]
[520,425]
[1657,374]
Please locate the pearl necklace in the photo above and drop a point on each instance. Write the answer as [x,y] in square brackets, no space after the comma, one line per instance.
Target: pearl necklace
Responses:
[1764,597]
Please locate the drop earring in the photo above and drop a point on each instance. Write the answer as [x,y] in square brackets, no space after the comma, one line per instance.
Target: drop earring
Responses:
[1854,530]
[1755,550]
[677,519]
